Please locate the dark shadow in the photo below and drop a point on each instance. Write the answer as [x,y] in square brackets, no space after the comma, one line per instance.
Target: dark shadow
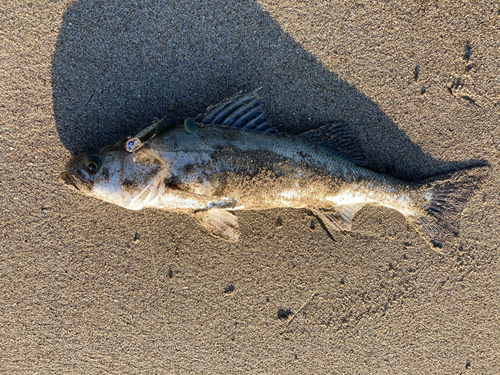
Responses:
[118,65]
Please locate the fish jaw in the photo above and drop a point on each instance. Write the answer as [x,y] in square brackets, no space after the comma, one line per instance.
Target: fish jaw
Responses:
[76,175]
[68,181]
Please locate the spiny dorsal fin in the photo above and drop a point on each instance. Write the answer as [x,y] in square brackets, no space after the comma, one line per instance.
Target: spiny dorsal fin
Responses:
[242,111]
[339,137]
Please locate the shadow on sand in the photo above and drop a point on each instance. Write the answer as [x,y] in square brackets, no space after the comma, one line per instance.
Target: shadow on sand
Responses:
[118,65]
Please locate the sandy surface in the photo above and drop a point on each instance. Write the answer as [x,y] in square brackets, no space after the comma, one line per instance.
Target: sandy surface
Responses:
[87,287]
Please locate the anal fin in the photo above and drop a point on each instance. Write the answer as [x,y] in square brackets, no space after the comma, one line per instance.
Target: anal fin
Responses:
[339,218]
[346,212]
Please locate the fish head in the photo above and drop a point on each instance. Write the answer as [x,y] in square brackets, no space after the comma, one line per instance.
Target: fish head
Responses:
[130,180]
[82,170]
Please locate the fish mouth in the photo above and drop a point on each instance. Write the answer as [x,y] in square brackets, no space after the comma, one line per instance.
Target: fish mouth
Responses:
[75,180]
[68,180]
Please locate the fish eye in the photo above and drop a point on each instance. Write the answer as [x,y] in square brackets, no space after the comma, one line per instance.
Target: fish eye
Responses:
[92,164]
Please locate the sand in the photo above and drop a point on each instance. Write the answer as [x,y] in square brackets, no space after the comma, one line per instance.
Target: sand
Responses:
[87,287]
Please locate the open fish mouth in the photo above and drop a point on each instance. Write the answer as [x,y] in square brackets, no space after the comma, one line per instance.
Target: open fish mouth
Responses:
[76,181]
[68,180]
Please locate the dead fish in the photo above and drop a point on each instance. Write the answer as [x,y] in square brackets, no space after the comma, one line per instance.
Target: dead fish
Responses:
[231,158]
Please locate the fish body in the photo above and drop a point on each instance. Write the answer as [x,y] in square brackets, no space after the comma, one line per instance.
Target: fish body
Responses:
[231,159]
[257,171]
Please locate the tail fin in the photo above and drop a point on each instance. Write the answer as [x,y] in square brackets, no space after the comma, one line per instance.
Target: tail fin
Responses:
[444,199]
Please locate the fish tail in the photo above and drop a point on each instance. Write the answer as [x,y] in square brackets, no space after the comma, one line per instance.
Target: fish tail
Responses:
[443,200]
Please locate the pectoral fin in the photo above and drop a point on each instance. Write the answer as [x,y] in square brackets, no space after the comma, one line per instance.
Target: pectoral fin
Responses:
[220,223]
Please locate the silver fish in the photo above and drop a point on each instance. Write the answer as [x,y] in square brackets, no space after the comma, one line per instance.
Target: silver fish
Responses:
[231,158]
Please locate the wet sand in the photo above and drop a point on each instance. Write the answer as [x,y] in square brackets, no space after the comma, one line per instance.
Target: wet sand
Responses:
[87,287]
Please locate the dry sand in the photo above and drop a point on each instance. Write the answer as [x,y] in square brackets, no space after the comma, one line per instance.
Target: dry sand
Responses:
[87,287]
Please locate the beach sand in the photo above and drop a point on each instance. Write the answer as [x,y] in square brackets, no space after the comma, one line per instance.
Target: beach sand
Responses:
[88,287]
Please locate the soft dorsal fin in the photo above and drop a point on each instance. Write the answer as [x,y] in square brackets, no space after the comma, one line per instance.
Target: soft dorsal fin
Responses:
[242,111]
[339,137]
